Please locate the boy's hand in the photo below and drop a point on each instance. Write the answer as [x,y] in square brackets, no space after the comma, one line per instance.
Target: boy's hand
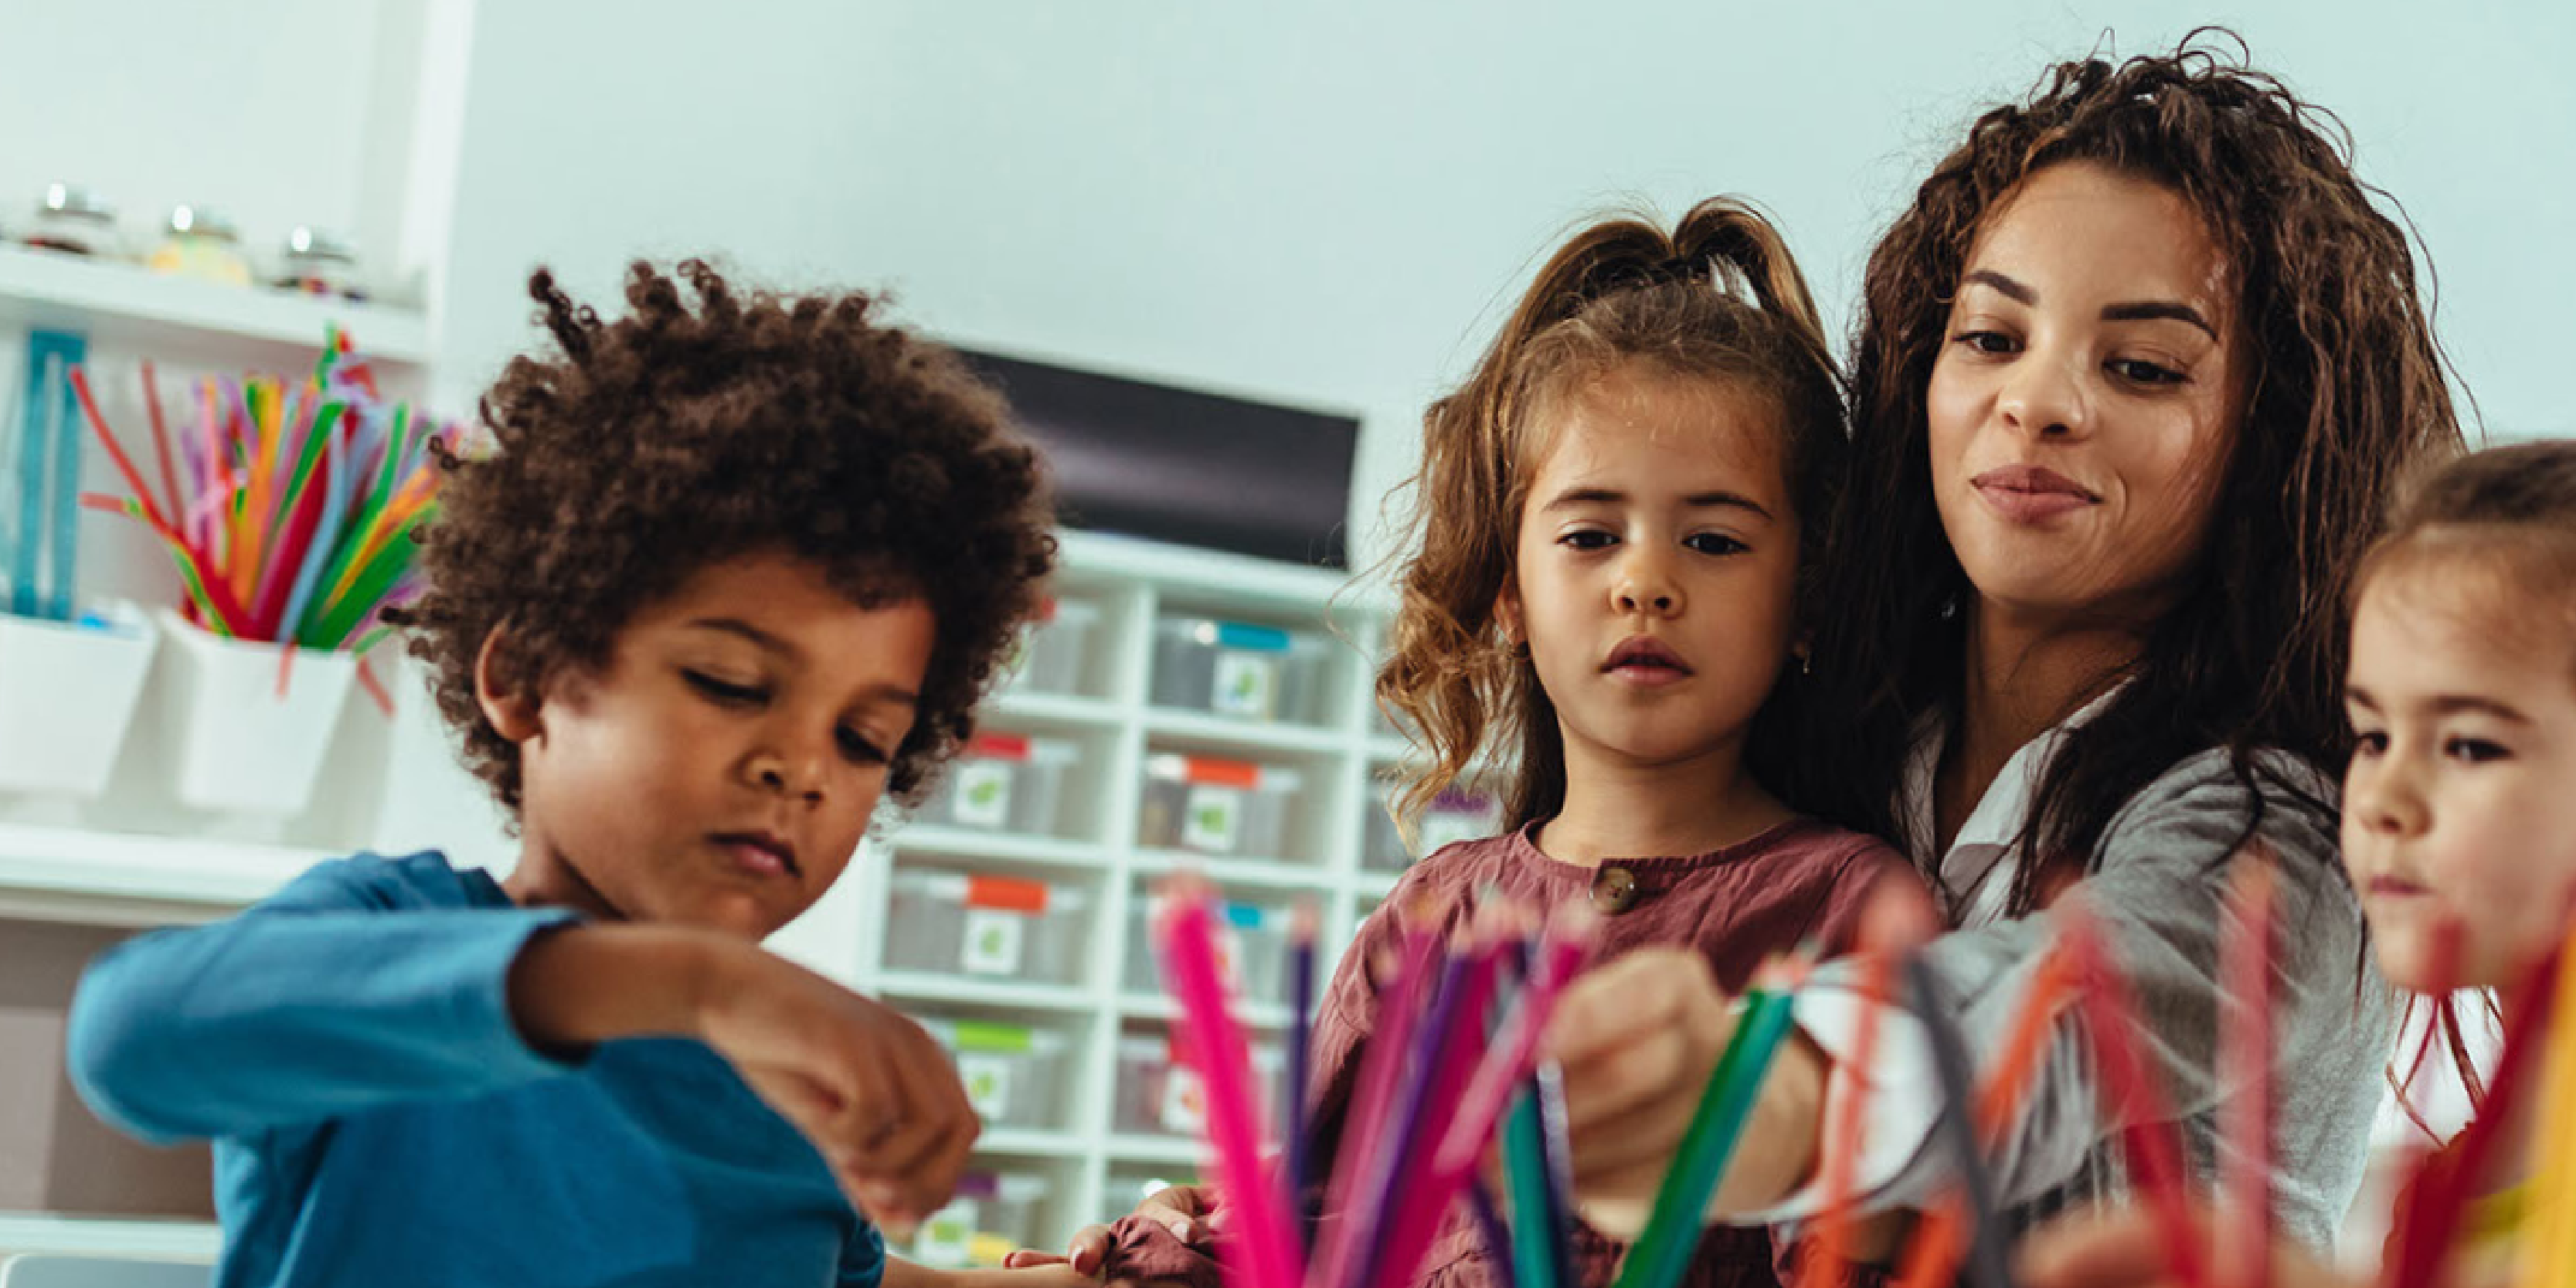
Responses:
[1637,1040]
[876,1096]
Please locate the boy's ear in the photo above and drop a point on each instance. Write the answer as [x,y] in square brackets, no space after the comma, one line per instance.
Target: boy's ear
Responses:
[512,709]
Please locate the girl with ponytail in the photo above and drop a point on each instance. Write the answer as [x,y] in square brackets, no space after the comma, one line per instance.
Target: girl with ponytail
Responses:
[1616,515]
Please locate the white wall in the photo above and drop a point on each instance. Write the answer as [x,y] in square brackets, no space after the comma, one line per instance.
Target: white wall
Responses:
[1331,201]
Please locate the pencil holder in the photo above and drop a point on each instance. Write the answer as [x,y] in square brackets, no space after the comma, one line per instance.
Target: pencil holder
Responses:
[67,696]
[247,727]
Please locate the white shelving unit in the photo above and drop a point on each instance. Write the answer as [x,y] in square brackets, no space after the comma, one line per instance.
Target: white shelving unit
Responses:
[123,306]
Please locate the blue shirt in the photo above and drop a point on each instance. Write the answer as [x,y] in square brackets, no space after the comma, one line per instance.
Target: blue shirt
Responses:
[377,1118]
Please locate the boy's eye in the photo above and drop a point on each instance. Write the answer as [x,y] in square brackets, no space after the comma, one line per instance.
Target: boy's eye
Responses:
[2142,372]
[860,750]
[2475,751]
[726,692]
[1587,539]
[1715,543]
[1987,342]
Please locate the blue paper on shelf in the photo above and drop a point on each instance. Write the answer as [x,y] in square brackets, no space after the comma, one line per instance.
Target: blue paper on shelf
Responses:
[44,563]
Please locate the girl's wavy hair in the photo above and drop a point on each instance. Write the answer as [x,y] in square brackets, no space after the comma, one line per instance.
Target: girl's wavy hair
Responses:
[2346,392]
[1717,299]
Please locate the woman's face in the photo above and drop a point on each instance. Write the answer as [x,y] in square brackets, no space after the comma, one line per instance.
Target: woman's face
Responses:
[2086,397]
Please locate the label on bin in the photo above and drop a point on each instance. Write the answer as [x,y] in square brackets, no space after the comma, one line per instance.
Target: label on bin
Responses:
[988,1082]
[1184,1100]
[948,1237]
[983,796]
[1246,685]
[993,939]
[1212,818]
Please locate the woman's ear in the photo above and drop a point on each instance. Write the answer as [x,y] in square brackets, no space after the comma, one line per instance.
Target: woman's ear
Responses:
[512,708]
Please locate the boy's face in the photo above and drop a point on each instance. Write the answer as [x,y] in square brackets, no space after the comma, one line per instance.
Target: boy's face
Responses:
[721,769]
[2457,806]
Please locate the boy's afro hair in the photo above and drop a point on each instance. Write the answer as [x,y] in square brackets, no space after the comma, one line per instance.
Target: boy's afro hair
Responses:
[679,436]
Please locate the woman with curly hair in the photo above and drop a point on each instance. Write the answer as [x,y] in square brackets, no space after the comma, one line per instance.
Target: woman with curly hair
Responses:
[732,573]
[2134,375]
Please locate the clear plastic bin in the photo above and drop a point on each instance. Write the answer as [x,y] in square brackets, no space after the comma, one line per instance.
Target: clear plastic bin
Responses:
[992,1214]
[1159,1094]
[1223,807]
[969,924]
[1251,949]
[1456,814]
[1014,1074]
[1238,669]
[1052,655]
[1005,783]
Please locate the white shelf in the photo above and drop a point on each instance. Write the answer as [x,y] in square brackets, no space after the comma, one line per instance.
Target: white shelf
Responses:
[1150,1006]
[65,863]
[915,986]
[1017,1143]
[966,843]
[1214,731]
[71,1236]
[1386,748]
[130,306]
[1372,884]
[1169,1151]
[1011,710]
[1264,873]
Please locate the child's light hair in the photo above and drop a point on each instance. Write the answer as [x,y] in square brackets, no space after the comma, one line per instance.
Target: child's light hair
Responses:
[1717,299]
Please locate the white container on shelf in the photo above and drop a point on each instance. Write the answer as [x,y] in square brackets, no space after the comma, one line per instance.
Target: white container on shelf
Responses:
[1056,650]
[1210,806]
[1005,783]
[67,697]
[961,924]
[1251,948]
[1456,814]
[1014,1074]
[1238,669]
[247,728]
[1159,1094]
[992,1214]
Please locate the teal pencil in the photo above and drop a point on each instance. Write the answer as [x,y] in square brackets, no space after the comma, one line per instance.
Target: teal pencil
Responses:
[1672,1229]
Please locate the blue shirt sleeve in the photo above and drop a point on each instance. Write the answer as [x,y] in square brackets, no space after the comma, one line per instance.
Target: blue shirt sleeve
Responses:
[863,1258]
[341,994]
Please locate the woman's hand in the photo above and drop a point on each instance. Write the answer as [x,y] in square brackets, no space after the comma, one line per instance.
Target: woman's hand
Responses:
[1638,1040]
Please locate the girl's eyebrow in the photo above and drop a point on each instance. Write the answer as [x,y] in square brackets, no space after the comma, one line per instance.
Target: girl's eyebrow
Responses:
[1577,497]
[2443,704]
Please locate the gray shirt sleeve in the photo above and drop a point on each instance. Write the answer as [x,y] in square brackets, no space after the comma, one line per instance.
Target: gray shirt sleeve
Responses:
[2158,895]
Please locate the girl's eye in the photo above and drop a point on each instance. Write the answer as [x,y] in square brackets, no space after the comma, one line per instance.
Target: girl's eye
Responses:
[2476,751]
[1715,543]
[2369,742]
[726,693]
[1587,539]
[1987,342]
[859,750]
[2142,372]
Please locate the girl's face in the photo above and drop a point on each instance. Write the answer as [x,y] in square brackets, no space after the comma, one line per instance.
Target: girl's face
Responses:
[2085,401]
[721,769]
[2460,803]
[1654,576]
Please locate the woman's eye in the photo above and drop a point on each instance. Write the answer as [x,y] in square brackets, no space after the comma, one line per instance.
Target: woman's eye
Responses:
[2142,372]
[1715,543]
[1987,342]
[860,750]
[2369,742]
[2476,751]
[726,692]
[1587,539]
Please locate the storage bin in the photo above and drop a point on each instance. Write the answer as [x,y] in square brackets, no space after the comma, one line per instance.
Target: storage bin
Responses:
[1005,783]
[1456,814]
[991,1214]
[247,729]
[1238,669]
[1221,807]
[1014,1074]
[67,697]
[1251,949]
[1054,653]
[1160,1095]
[958,923]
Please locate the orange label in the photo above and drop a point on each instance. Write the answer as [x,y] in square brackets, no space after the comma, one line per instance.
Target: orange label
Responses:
[999,746]
[1224,773]
[1006,894]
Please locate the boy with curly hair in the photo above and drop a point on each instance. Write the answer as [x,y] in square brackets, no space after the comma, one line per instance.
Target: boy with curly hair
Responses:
[733,573]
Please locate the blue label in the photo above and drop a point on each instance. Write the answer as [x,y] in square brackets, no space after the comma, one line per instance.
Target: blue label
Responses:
[1259,639]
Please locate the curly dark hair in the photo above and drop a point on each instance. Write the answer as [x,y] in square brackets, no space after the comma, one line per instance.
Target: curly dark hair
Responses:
[678,437]
[2347,395]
